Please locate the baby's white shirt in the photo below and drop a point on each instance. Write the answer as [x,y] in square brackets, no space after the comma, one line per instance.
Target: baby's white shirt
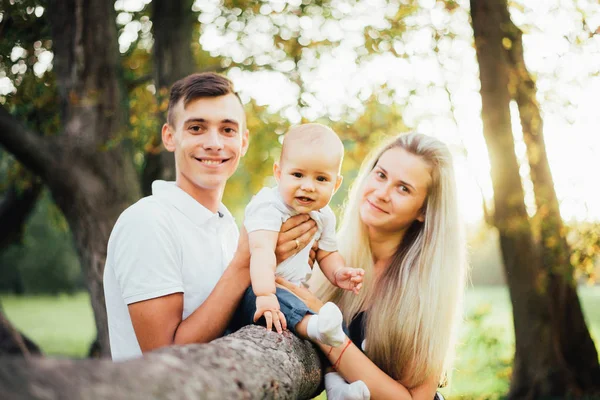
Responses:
[267,211]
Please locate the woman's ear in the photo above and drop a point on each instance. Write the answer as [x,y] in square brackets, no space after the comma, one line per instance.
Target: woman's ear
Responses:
[421,216]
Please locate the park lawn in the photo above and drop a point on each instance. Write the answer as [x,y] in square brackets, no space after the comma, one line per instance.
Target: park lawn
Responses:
[64,326]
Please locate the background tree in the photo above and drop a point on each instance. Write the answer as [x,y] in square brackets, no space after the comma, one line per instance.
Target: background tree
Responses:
[173,23]
[554,354]
[88,170]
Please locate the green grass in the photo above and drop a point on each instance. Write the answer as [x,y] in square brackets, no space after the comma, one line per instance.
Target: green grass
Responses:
[64,326]
[61,325]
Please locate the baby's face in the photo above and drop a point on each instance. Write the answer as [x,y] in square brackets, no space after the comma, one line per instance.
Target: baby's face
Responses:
[307,179]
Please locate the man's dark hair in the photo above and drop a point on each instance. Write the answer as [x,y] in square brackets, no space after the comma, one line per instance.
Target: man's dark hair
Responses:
[194,86]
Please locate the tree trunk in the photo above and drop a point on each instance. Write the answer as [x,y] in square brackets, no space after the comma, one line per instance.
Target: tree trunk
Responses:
[172,23]
[574,341]
[15,208]
[540,366]
[88,168]
[12,342]
[251,363]
[98,179]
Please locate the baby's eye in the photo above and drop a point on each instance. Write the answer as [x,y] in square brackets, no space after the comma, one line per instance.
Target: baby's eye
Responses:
[297,174]
[322,179]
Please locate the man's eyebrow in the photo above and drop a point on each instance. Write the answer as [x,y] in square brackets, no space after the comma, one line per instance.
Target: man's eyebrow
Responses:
[399,180]
[202,120]
[190,120]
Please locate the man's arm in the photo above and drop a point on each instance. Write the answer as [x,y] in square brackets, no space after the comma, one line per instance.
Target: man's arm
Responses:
[158,322]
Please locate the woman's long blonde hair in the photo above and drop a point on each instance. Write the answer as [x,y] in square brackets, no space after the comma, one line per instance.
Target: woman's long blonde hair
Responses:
[414,306]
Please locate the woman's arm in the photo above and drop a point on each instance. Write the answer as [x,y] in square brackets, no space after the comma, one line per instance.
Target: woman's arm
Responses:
[354,365]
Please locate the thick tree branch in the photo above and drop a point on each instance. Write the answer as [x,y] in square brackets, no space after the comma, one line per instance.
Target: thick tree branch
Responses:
[33,151]
[251,363]
[12,342]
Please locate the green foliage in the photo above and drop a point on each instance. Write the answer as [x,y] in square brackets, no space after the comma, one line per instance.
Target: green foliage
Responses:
[584,239]
[46,261]
[487,353]
[256,166]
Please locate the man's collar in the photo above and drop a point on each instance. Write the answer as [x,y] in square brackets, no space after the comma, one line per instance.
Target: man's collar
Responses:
[186,204]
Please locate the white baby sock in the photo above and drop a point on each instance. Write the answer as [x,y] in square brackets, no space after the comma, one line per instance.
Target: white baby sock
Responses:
[338,389]
[326,327]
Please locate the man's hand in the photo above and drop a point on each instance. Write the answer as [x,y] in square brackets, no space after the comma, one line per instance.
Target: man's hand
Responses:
[349,278]
[268,306]
[294,235]
[311,301]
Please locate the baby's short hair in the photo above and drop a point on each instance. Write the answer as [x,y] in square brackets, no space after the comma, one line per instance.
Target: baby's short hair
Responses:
[316,135]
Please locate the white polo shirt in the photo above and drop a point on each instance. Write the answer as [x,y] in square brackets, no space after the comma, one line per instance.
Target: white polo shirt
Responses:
[163,244]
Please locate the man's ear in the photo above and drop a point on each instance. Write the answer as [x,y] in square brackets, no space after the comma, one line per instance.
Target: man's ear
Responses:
[276,171]
[338,183]
[245,142]
[168,137]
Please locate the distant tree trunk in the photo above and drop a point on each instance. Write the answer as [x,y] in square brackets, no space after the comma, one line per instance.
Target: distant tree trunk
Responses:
[15,208]
[12,342]
[547,360]
[574,340]
[172,23]
[88,170]
[250,364]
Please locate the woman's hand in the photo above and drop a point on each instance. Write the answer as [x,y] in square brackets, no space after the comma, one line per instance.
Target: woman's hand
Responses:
[294,235]
[303,293]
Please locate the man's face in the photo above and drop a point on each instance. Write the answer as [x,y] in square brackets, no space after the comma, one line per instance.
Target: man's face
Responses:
[307,179]
[208,138]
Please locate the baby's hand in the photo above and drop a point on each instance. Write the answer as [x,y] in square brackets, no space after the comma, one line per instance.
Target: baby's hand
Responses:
[349,278]
[268,306]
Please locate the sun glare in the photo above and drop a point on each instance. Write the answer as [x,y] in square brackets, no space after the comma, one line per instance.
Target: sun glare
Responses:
[430,70]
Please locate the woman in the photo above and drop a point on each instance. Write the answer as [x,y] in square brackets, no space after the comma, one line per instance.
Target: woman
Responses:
[401,225]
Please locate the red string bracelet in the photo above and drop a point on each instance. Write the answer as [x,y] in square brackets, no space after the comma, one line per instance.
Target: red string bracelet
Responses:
[337,362]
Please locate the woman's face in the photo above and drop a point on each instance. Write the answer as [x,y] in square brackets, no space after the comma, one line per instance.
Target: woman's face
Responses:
[395,191]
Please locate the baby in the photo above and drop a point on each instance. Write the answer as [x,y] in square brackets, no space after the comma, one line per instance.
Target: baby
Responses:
[308,174]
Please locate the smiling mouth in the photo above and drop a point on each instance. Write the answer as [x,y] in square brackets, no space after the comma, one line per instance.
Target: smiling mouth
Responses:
[375,207]
[206,161]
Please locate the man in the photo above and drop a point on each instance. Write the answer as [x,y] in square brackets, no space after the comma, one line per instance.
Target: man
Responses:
[174,271]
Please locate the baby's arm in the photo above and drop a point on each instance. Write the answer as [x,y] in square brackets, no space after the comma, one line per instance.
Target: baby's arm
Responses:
[334,268]
[262,273]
